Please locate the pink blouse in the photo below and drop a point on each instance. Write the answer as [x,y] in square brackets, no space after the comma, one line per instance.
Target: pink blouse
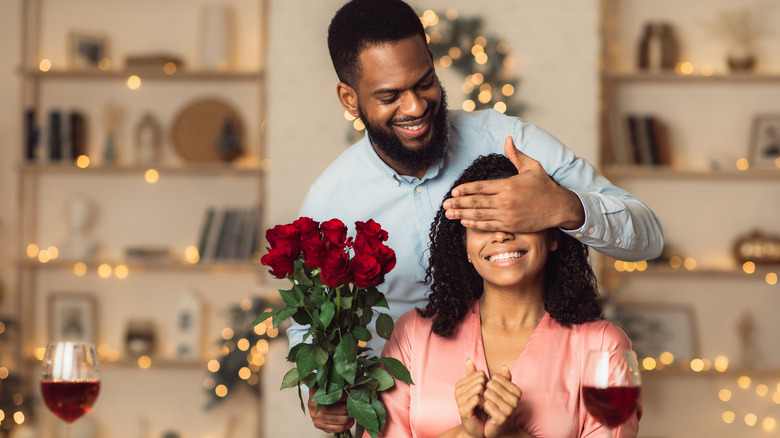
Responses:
[548,371]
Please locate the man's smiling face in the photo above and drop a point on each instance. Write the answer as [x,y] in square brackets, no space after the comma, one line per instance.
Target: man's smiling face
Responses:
[402,104]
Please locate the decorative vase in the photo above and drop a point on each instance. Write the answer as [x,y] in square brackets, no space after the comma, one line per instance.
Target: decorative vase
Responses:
[215,38]
[741,59]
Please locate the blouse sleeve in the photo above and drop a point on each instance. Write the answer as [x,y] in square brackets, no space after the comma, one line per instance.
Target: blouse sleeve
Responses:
[613,338]
[396,399]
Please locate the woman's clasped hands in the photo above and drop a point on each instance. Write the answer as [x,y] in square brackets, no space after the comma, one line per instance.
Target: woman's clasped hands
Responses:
[488,406]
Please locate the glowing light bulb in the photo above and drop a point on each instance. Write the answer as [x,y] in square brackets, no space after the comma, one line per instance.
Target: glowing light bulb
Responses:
[134,82]
[82,161]
[44,65]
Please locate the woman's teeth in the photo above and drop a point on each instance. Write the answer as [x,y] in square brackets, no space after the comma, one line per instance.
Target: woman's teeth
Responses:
[505,256]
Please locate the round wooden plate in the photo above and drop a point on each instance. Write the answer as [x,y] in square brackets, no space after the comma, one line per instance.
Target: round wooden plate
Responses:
[197,127]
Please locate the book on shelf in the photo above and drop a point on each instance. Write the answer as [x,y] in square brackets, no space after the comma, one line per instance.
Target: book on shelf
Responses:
[640,139]
[228,233]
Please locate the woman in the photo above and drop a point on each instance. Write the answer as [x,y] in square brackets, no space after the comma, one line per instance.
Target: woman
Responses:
[515,314]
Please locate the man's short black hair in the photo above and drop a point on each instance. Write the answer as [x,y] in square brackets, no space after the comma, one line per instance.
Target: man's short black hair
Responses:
[360,23]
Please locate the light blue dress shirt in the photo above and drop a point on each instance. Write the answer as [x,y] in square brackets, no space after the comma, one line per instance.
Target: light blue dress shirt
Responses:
[359,186]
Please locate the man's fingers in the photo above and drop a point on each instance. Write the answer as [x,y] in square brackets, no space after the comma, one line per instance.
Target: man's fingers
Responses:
[520,160]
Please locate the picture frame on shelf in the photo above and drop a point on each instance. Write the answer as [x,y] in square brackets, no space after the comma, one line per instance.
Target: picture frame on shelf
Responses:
[658,328]
[87,50]
[72,317]
[765,140]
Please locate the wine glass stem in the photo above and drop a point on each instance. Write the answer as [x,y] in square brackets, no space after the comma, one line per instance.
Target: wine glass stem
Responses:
[610,432]
[70,430]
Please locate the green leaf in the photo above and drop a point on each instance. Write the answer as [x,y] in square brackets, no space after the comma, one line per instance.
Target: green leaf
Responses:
[290,379]
[320,355]
[397,369]
[263,316]
[384,379]
[327,312]
[294,352]
[381,413]
[345,360]
[346,302]
[332,395]
[289,298]
[316,299]
[300,397]
[365,317]
[360,394]
[372,296]
[322,376]
[305,361]
[300,275]
[363,413]
[283,315]
[298,294]
[382,303]
[301,316]
[384,326]
[361,333]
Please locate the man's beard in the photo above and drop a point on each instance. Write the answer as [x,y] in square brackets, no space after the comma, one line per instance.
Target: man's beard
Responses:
[411,160]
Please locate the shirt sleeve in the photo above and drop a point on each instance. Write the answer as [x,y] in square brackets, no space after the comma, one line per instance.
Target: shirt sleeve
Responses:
[616,223]
[397,399]
[613,339]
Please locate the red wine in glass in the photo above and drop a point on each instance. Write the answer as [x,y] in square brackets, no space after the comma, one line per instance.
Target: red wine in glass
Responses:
[611,386]
[70,400]
[613,405]
[70,379]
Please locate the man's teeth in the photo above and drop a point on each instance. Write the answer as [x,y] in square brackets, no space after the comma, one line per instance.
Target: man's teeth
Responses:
[415,127]
[505,256]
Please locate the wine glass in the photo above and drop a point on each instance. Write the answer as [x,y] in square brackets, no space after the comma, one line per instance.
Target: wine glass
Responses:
[611,386]
[70,380]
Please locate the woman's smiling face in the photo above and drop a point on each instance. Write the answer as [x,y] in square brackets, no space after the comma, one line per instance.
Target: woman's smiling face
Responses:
[507,259]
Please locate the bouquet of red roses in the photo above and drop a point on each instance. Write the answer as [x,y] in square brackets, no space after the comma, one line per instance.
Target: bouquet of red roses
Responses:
[333,291]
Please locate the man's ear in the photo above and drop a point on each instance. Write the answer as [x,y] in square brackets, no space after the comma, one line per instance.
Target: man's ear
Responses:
[348,98]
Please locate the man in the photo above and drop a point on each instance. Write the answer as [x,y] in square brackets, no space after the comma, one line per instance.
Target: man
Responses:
[415,149]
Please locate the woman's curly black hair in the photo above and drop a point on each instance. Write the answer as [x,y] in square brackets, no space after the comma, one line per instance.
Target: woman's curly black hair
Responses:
[570,291]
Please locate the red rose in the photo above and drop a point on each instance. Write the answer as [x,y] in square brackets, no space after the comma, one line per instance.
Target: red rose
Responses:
[369,229]
[334,232]
[313,249]
[280,262]
[335,267]
[307,226]
[366,270]
[384,255]
[284,237]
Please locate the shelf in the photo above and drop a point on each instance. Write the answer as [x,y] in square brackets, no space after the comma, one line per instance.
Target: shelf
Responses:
[135,266]
[682,78]
[156,363]
[144,73]
[679,371]
[665,270]
[662,172]
[185,169]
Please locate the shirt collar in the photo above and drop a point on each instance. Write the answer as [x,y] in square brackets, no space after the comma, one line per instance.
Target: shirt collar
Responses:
[432,172]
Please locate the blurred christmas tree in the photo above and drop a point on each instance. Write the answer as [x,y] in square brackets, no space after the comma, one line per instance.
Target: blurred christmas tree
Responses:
[15,397]
[243,349]
[483,60]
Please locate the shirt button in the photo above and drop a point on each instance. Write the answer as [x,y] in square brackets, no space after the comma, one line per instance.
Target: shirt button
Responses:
[591,230]
[419,189]
[578,235]
[617,240]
